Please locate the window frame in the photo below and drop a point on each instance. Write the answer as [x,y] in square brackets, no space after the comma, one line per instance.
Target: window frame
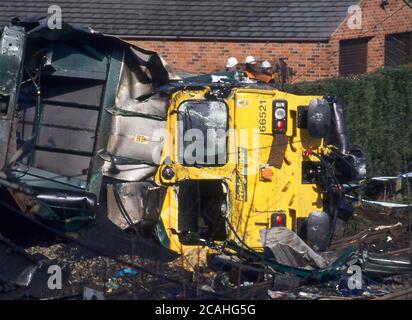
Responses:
[408,55]
[343,68]
[181,131]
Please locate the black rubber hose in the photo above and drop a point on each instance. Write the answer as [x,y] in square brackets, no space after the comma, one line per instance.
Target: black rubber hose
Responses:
[334,194]
[340,126]
[333,208]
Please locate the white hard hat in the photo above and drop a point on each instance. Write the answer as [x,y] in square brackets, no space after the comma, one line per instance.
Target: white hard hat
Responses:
[250,60]
[231,62]
[266,65]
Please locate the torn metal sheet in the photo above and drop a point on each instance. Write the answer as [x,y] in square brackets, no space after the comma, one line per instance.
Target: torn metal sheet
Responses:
[131,203]
[129,172]
[136,96]
[289,249]
[334,269]
[382,265]
[17,268]
[11,56]
[381,203]
[137,138]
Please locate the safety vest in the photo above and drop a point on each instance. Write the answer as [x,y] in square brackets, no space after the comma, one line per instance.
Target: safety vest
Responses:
[266,78]
[249,74]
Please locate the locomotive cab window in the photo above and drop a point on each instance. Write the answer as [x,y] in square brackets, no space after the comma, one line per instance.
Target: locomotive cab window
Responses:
[202,130]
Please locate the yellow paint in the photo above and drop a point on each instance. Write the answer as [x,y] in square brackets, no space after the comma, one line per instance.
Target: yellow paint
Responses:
[284,192]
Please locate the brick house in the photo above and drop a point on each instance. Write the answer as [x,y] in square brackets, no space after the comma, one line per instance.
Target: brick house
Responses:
[318,38]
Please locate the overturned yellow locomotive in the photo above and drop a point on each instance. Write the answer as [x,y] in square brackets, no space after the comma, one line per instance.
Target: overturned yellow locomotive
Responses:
[241,160]
[91,125]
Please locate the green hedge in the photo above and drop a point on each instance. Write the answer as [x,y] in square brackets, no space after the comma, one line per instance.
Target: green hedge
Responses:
[378,108]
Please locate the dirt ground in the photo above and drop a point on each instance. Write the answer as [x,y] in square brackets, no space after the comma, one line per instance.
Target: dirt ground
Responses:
[191,277]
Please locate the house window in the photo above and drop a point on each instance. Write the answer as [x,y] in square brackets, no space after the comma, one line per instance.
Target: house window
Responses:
[398,49]
[353,56]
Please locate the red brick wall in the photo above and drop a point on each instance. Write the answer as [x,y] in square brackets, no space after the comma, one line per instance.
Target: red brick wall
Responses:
[211,56]
[310,60]
[376,23]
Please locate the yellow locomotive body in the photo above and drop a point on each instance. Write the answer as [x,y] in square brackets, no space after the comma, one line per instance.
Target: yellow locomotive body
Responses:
[257,185]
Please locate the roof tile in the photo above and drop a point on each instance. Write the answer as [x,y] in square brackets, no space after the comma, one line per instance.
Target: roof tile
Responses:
[312,19]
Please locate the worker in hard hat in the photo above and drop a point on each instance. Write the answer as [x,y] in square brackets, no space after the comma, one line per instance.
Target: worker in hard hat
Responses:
[250,67]
[266,73]
[232,64]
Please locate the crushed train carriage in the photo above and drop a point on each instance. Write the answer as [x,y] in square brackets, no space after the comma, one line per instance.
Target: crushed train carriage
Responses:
[90,121]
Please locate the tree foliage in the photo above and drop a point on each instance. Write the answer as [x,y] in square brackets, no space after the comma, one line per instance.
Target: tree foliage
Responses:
[378,110]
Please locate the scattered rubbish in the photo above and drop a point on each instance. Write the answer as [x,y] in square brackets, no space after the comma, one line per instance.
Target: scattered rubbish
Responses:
[277,295]
[246,284]
[308,295]
[369,235]
[346,286]
[400,295]
[126,272]
[286,282]
[92,294]
[112,284]
[207,288]
[222,281]
[399,224]
[374,292]
[192,260]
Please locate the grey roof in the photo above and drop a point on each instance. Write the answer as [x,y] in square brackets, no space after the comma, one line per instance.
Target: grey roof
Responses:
[264,19]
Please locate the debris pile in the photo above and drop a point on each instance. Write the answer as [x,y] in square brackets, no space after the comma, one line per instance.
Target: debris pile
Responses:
[292,271]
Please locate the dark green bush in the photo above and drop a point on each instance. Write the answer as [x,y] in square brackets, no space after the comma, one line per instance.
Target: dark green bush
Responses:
[378,109]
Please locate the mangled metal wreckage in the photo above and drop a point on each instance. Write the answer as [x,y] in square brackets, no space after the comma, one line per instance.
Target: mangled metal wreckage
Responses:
[70,99]
[89,121]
